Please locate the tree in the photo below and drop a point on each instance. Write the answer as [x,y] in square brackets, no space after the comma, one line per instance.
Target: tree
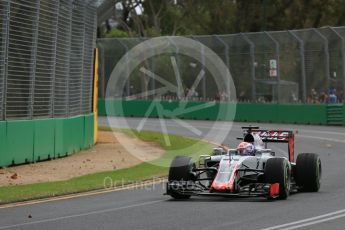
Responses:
[186,17]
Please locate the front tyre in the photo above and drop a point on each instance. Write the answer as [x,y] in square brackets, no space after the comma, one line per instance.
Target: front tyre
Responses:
[277,170]
[308,172]
[181,171]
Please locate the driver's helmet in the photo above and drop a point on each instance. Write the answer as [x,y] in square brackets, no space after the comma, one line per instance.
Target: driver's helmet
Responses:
[245,148]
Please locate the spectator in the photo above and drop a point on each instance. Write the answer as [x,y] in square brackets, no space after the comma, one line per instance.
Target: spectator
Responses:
[192,93]
[217,97]
[324,97]
[223,96]
[242,95]
[293,97]
[314,96]
[332,99]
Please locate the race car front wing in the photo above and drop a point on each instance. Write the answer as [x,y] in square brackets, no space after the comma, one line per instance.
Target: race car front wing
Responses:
[194,188]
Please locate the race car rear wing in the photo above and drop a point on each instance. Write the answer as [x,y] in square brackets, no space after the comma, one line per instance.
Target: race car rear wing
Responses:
[278,136]
[282,136]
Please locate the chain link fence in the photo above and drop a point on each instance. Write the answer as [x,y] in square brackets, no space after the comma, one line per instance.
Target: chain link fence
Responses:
[297,66]
[46,56]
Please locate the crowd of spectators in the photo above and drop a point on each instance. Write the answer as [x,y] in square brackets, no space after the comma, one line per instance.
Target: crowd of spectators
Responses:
[329,96]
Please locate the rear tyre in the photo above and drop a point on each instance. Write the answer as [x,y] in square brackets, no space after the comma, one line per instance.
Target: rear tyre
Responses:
[308,172]
[277,170]
[181,170]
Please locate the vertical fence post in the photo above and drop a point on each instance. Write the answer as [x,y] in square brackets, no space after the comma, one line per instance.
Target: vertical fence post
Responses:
[342,58]
[202,51]
[180,90]
[5,29]
[127,67]
[226,50]
[252,55]
[343,66]
[152,65]
[89,20]
[82,76]
[94,37]
[326,52]
[55,29]
[147,79]
[277,48]
[34,59]
[153,82]
[68,78]
[77,57]
[303,73]
[227,54]
[204,78]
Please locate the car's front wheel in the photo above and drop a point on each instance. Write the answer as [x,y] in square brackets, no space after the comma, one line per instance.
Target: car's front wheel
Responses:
[277,170]
[181,171]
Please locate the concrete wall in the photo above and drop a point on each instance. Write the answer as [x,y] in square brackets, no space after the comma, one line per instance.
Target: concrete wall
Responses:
[249,112]
[23,141]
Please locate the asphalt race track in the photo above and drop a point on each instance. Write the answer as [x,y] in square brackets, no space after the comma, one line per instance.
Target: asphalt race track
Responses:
[149,209]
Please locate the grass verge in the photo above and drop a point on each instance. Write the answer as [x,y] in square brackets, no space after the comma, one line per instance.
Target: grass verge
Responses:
[179,145]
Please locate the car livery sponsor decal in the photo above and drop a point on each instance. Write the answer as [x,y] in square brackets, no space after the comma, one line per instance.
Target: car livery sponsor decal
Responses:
[273,135]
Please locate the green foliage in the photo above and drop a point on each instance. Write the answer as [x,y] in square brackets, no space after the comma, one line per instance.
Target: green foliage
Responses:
[116,33]
[229,16]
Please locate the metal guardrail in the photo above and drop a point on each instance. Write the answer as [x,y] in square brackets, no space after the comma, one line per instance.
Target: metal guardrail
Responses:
[46,56]
[308,64]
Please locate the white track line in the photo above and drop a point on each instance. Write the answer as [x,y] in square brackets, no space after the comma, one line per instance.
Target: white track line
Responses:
[84,194]
[309,221]
[80,215]
[315,222]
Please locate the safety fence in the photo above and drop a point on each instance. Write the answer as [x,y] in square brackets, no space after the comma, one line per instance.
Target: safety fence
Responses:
[295,66]
[46,78]
[46,56]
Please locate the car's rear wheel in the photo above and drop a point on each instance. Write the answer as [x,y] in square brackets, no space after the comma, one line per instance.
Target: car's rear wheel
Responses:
[277,170]
[181,170]
[308,172]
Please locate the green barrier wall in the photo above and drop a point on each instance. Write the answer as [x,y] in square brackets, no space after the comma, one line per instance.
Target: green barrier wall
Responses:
[344,114]
[73,134]
[59,145]
[282,113]
[138,108]
[88,139]
[41,139]
[249,112]
[5,158]
[20,141]
[44,139]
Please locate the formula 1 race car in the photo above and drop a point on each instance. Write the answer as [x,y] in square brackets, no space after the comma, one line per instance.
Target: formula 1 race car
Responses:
[228,172]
